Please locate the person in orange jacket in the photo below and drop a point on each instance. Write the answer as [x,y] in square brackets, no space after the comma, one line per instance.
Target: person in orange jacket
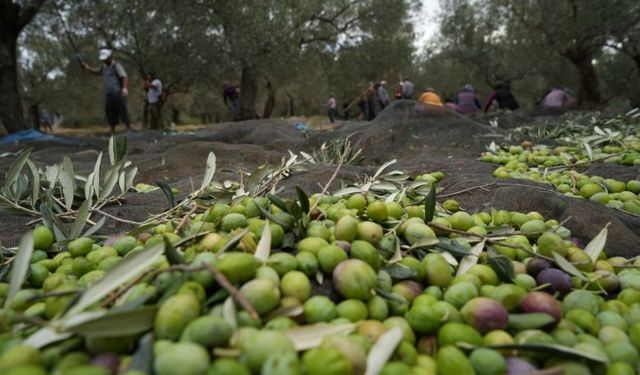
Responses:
[430,97]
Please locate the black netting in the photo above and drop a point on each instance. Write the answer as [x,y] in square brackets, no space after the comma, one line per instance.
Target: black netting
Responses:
[423,139]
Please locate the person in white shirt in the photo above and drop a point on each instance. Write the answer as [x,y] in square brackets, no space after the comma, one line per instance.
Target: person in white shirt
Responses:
[331,108]
[57,120]
[154,98]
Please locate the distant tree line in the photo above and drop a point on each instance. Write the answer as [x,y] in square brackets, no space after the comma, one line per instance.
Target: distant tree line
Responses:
[287,56]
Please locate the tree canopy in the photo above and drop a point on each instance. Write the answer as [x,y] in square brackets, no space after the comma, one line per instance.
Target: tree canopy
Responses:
[288,56]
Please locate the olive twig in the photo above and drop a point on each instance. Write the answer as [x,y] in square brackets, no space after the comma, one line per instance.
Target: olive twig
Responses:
[55,293]
[333,176]
[233,291]
[185,218]
[484,187]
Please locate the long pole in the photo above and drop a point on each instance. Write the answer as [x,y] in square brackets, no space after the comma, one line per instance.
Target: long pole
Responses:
[65,27]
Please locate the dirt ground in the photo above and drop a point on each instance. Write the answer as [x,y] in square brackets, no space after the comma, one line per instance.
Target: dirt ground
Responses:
[421,139]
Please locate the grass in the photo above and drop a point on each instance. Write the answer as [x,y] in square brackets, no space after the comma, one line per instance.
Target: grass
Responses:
[312,123]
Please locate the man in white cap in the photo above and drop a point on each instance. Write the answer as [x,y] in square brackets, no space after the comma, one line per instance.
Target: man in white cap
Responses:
[116,85]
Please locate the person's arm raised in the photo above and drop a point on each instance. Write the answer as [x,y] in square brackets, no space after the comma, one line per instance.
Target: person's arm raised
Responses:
[90,69]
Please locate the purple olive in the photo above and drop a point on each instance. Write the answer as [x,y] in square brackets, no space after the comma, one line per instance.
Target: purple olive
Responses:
[344,245]
[558,281]
[110,361]
[535,265]
[111,240]
[577,242]
[485,314]
[518,366]
[540,302]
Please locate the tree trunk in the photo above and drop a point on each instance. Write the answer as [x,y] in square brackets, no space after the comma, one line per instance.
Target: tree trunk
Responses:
[634,96]
[34,116]
[290,106]
[271,101]
[248,93]
[175,115]
[589,88]
[11,115]
[636,59]
[145,114]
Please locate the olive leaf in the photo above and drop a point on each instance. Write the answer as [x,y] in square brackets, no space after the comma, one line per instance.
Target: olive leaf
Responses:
[130,175]
[67,177]
[115,323]
[288,311]
[110,181]
[142,360]
[94,229]
[520,322]
[303,199]
[296,211]
[20,266]
[451,246]
[125,270]
[264,245]
[168,193]
[35,183]
[229,312]
[20,189]
[278,203]
[255,178]
[470,260]
[424,242]
[216,298]
[53,222]
[117,149]
[567,267]
[310,336]
[45,336]
[51,173]
[289,241]
[503,267]
[16,168]
[400,272]
[170,251]
[383,167]
[382,350]
[96,176]
[234,240]
[209,172]
[389,296]
[596,245]
[430,205]
[80,220]
[347,191]
[383,187]
[111,149]
[274,218]
[555,349]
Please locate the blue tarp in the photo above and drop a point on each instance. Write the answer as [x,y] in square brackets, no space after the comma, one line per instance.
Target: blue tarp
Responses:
[300,126]
[30,135]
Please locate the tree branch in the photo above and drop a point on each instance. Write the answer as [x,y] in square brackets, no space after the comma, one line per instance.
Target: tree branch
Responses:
[29,11]
[331,21]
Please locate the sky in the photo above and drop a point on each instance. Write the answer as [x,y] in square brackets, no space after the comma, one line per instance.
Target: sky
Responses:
[425,22]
